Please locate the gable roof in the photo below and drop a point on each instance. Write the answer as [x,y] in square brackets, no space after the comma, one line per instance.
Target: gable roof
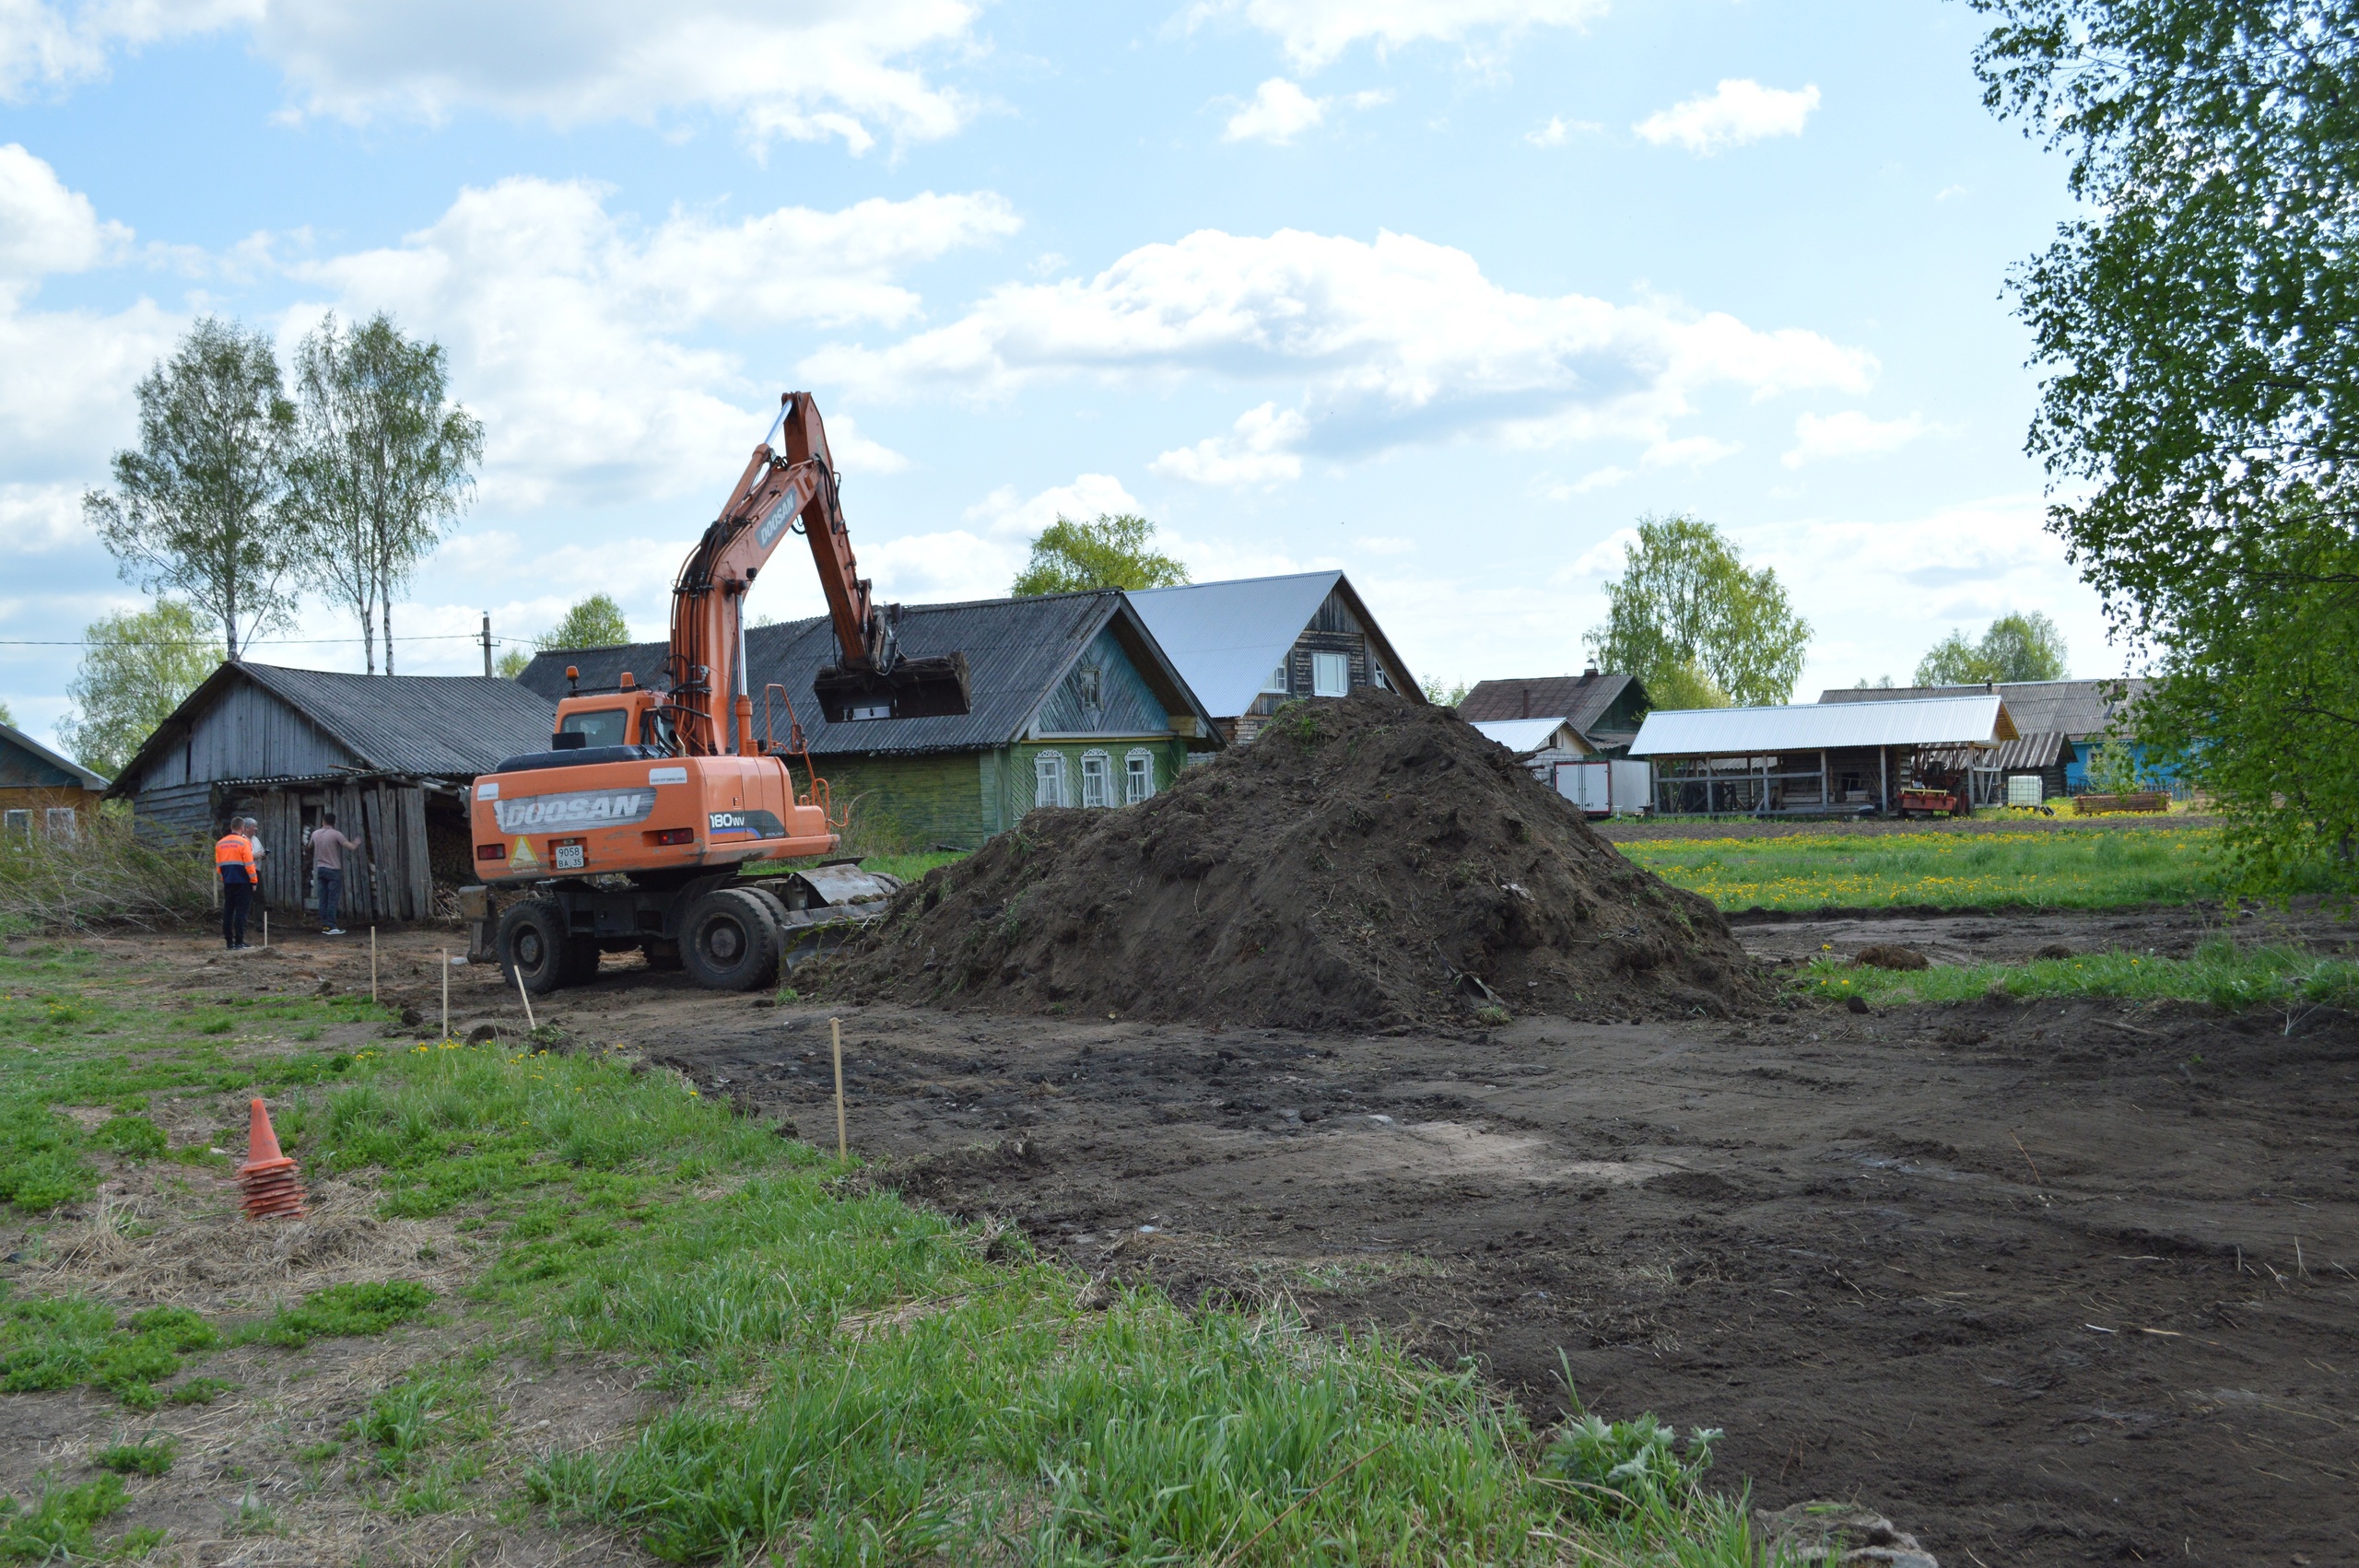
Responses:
[12,736]
[1521,735]
[1980,720]
[2076,709]
[1583,699]
[438,726]
[1017,651]
[1226,638]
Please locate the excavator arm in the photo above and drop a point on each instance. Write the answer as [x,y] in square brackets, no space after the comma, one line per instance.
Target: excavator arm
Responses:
[789,485]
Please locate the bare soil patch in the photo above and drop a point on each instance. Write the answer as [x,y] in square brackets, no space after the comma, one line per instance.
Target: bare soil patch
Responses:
[1367,862]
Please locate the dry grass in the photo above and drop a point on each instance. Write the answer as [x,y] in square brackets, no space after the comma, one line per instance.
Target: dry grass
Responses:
[104,876]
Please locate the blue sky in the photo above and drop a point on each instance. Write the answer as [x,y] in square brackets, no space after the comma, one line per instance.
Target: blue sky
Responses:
[1444,292]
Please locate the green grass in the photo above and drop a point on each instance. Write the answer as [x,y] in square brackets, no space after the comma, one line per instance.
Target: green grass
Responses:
[2061,868]
[153,1456]
[50,1342]
[61,1522]
[857,1379]
[2220,972]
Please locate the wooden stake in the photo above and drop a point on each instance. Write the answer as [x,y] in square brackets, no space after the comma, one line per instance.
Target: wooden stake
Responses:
[522,992]
[372,966]
[836,1040]
[265,927]
[446,993]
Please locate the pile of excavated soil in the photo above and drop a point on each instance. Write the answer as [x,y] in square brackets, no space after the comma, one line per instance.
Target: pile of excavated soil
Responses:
[1365,862]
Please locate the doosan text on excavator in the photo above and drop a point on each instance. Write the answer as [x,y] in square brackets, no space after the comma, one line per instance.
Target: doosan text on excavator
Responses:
[636,827]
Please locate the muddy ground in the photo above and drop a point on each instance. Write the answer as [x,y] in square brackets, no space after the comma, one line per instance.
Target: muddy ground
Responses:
[2049,1283]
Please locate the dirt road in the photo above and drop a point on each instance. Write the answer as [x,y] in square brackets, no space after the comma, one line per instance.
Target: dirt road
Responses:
[2049,1283]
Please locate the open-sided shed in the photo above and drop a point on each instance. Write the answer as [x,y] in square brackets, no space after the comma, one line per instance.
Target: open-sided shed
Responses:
[1810,759]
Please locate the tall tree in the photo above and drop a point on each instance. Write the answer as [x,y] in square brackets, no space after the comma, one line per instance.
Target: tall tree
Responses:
[196,504]
[2197,335]
[382,464]
[1113,550]
[1696,625]
[2016,648]
[135,669]
[595,622]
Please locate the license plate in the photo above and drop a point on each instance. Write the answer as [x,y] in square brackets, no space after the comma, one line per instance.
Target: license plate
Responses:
[569,857]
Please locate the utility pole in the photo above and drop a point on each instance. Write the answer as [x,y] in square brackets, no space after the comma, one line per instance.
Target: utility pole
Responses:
[487,644]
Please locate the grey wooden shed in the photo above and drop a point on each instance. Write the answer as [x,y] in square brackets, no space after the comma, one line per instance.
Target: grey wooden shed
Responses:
[391,755]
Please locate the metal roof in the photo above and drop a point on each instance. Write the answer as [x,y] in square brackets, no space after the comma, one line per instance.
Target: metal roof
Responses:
[16,737]
[1810,727]
[448,726]
[2078,709]
[1583,699]
[1017,649]
[2035,748]
[1522,735]
[1226,638]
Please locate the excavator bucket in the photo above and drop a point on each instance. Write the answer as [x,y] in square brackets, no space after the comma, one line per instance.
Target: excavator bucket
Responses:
[914,688]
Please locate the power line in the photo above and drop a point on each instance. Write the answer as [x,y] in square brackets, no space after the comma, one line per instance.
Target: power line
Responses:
[476,638]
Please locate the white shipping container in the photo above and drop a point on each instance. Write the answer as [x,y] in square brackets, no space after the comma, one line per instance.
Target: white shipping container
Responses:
[1603,788]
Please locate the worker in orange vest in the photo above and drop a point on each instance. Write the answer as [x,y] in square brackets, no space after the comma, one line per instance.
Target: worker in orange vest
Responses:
[233,857]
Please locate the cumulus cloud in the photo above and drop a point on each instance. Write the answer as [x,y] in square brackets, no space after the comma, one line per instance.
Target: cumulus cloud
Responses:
[1258,451]
[1558,131]
[1391,343]
[1316,32]
[1737,111]
[980,561]
[44,228]
[1688,451]
[799,69]
[571,328]
[1849,434]
[1282,110]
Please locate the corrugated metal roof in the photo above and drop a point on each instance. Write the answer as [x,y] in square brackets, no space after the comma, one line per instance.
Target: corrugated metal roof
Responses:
[2040,748]
[2078,709]
[16,737]
[1583,698]
[1522,735]
[452,725]
[1016,651]
[1226,638]
[1810,727]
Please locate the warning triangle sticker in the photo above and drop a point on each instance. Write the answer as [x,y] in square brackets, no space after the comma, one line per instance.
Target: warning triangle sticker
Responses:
[523,857]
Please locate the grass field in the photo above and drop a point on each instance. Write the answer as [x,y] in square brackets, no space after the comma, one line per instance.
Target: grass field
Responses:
[2288,979]
[849,1379]
[2067,869]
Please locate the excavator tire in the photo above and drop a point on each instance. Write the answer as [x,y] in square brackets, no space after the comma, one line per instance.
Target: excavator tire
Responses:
[729,941]
[533,948]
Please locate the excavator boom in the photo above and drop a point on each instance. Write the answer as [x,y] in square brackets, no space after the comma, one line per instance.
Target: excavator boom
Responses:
[791,486]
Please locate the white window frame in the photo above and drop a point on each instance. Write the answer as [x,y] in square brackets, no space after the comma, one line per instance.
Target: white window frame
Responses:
[1100,775]
[1049,779]
[1377,677]
[18,823]
[1320,664]
[1138,776]
[1278,683]
[63,824]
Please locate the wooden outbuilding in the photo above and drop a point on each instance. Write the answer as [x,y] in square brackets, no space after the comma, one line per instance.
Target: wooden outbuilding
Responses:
[40,791]
[1250,644]
[1816,758]
[391,755]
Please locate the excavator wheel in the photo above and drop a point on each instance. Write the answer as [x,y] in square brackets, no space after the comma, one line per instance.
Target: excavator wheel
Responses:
[533,947]
[729,941]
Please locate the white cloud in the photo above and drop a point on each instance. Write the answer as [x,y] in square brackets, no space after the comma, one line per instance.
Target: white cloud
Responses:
[1281,112]
[1258,450]
[1605,558]
[1316,32]
[979,561]
[1737,111]
[1004,516]
[1555,133]
[44,228]
[1689,452]
[1600,479]
[570,329]
[1391,342]
[799,69]
[1849,434]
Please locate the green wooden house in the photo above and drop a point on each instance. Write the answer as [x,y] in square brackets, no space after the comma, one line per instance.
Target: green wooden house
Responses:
[1074,704]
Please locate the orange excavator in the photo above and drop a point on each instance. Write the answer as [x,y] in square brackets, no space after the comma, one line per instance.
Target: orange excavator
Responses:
[637,827]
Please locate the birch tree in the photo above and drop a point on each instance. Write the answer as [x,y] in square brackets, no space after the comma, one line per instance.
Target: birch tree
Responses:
[383,464]
[195,509]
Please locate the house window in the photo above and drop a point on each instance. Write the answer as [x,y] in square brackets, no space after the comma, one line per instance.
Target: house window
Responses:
[61,823]
[1138,776]
[1330,674]
[19,824]
[1276,683]
[1049,779]
[1377,676]
[1097,779]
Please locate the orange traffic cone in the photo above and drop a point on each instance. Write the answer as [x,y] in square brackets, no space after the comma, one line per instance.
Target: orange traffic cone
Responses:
[267,1178]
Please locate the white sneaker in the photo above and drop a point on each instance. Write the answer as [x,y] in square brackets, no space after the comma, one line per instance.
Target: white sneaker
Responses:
[332,931]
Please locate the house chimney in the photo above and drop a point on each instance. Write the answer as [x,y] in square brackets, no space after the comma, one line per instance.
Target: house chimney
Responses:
[1590,673]
[1525,693]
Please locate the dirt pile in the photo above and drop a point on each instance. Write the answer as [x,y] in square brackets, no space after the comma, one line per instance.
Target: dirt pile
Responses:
[1365,862]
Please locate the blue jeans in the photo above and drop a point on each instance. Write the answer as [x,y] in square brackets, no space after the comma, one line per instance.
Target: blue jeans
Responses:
[236,894]
[331,893]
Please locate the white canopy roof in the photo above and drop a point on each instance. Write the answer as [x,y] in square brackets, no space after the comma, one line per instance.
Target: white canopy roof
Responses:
[1227,637]
[1979,721]
[1523,735]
